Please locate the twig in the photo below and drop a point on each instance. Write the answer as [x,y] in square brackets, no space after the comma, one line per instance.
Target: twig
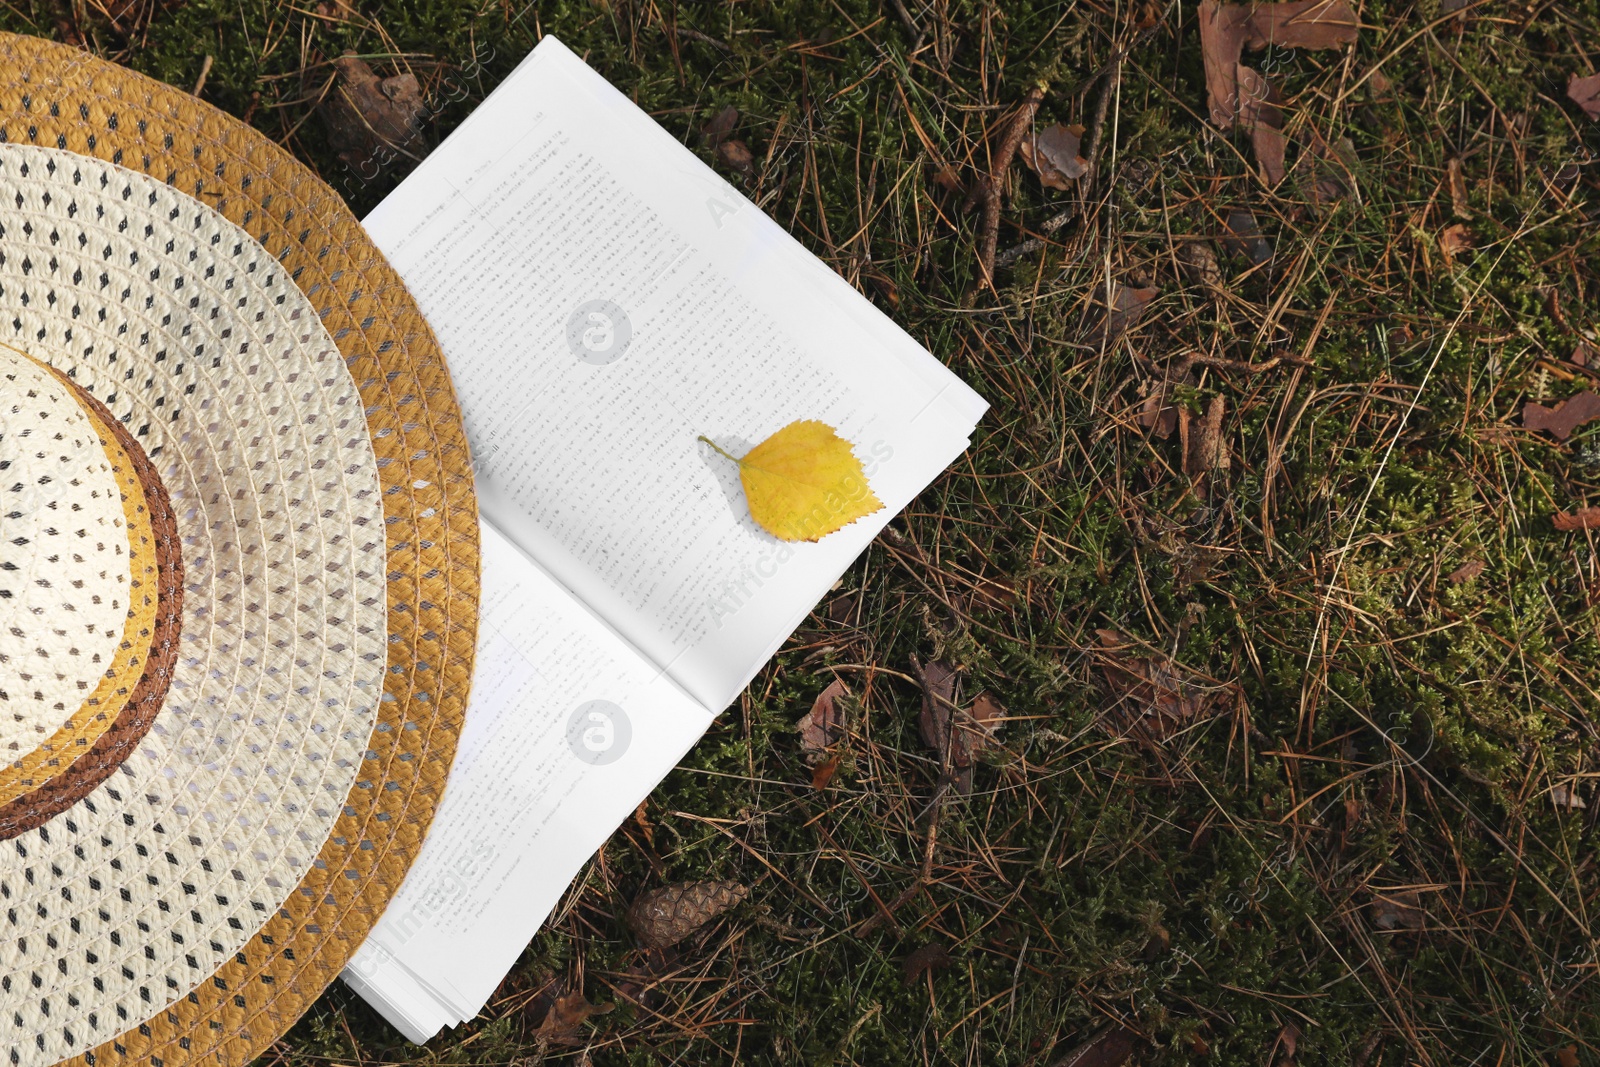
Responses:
[935,806]
[205,69]
[1368,1047]
[1085,182]
[696,35]
[1097,128]
[1033,244]
[1219,363]
[1111,72]
[912,28]
[997,179]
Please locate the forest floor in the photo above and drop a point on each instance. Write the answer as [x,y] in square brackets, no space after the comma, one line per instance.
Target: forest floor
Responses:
[1254,569]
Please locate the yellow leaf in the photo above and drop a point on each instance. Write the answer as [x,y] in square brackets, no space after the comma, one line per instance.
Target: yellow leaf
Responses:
[804,482]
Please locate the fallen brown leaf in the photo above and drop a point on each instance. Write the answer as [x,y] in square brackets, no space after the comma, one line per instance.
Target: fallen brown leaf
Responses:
[1565,417]
[1200,262]
[958,734]
[987,712]
[663,917]
[977,194]
[1582,519]
[1288,1041]
[1152,693]
[1261,113]
[1127,308]
[884,285]
[845,610]
[994,595]
[947,178]
[1399,910]
[1584,353]
[1495,434]
[1223,31]
[640,984]
[1454,240]
[538,991]
[1467,571]
[1458,189]
[1328,169]
[641,817]
[720,127]
[1111,1047]
[1242,237]
[1352,812]
[938,681]
[566,1015]
[823,773]
[1585,92]
[371,120]
[1567,1056]
[1158,944]
[1305,24]
[930,957]
[1053,156]
[823,726]
[736,156]
[1227,29]
[1194,564]
[1157,414]
[128,17]
[1566,796]
[1205,451]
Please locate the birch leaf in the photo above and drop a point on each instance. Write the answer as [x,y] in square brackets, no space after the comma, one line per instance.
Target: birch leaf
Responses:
[804,482]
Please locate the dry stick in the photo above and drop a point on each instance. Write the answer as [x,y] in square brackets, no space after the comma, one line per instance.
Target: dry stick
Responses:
[1112,72]
[1097,128]
[696,35]
[934,806]
[1033,244]
[1195,359]
[1086,182]
[996,181]
[205,70]
[911,25]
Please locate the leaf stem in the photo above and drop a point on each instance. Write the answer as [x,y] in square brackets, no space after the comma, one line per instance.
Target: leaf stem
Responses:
[713,444]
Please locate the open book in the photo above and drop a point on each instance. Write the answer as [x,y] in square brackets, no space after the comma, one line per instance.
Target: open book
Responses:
[603,299]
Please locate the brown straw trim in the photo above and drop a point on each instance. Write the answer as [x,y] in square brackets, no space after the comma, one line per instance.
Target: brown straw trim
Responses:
[98,712]
[32,810]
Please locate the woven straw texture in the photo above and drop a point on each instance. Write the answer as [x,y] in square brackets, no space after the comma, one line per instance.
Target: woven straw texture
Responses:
[224,996]
[96,738]
[56,444]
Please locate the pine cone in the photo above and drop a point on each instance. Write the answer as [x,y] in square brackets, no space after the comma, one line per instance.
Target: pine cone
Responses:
[663,917]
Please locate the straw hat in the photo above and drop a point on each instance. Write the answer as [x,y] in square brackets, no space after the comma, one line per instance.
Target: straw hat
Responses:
[238,575]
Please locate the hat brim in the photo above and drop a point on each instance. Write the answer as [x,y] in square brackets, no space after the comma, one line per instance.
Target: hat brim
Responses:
[56,97]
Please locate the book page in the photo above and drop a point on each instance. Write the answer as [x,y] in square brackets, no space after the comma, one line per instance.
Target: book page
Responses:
[398,995]
[604,299]
[567,730]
